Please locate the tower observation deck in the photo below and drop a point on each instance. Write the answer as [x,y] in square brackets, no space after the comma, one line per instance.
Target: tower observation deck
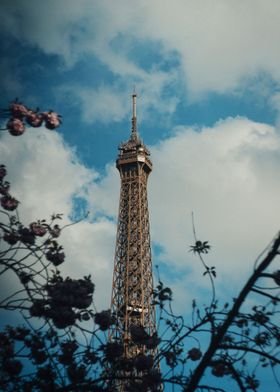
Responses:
[132,300]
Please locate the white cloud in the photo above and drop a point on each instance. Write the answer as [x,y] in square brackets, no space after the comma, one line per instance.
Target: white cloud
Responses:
[47,172]
[103,195]
[90,251]
[109,103]
[227,175]
[105,103]
[219,44]
[46,25]
[46,175]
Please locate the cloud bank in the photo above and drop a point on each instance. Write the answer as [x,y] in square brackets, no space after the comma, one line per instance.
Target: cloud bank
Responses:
[194,47]
[46,176]
[227,175]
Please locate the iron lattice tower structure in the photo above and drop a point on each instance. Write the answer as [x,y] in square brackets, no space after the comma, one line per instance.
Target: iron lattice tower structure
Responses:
[132,278]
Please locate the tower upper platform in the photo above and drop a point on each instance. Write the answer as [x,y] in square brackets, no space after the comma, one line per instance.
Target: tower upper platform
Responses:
[134,150]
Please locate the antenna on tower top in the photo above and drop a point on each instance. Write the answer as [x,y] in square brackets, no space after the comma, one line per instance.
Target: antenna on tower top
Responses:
[134,120]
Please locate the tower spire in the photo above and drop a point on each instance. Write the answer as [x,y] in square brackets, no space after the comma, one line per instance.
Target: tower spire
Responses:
[134,134]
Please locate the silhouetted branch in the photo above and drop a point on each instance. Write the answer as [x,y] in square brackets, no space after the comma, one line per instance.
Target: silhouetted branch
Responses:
[218,337]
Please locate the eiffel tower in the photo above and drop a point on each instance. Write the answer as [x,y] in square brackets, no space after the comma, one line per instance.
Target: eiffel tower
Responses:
[132,300]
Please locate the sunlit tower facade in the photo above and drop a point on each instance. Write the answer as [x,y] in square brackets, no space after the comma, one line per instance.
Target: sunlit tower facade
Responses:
[132,300]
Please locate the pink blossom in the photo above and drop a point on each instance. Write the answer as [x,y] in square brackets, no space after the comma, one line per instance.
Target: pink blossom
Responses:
[16,127]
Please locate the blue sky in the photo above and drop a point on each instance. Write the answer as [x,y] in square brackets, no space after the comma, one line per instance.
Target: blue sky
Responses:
[208,78]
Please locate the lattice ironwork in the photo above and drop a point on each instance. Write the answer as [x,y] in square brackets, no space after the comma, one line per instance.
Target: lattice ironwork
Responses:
[132,277]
